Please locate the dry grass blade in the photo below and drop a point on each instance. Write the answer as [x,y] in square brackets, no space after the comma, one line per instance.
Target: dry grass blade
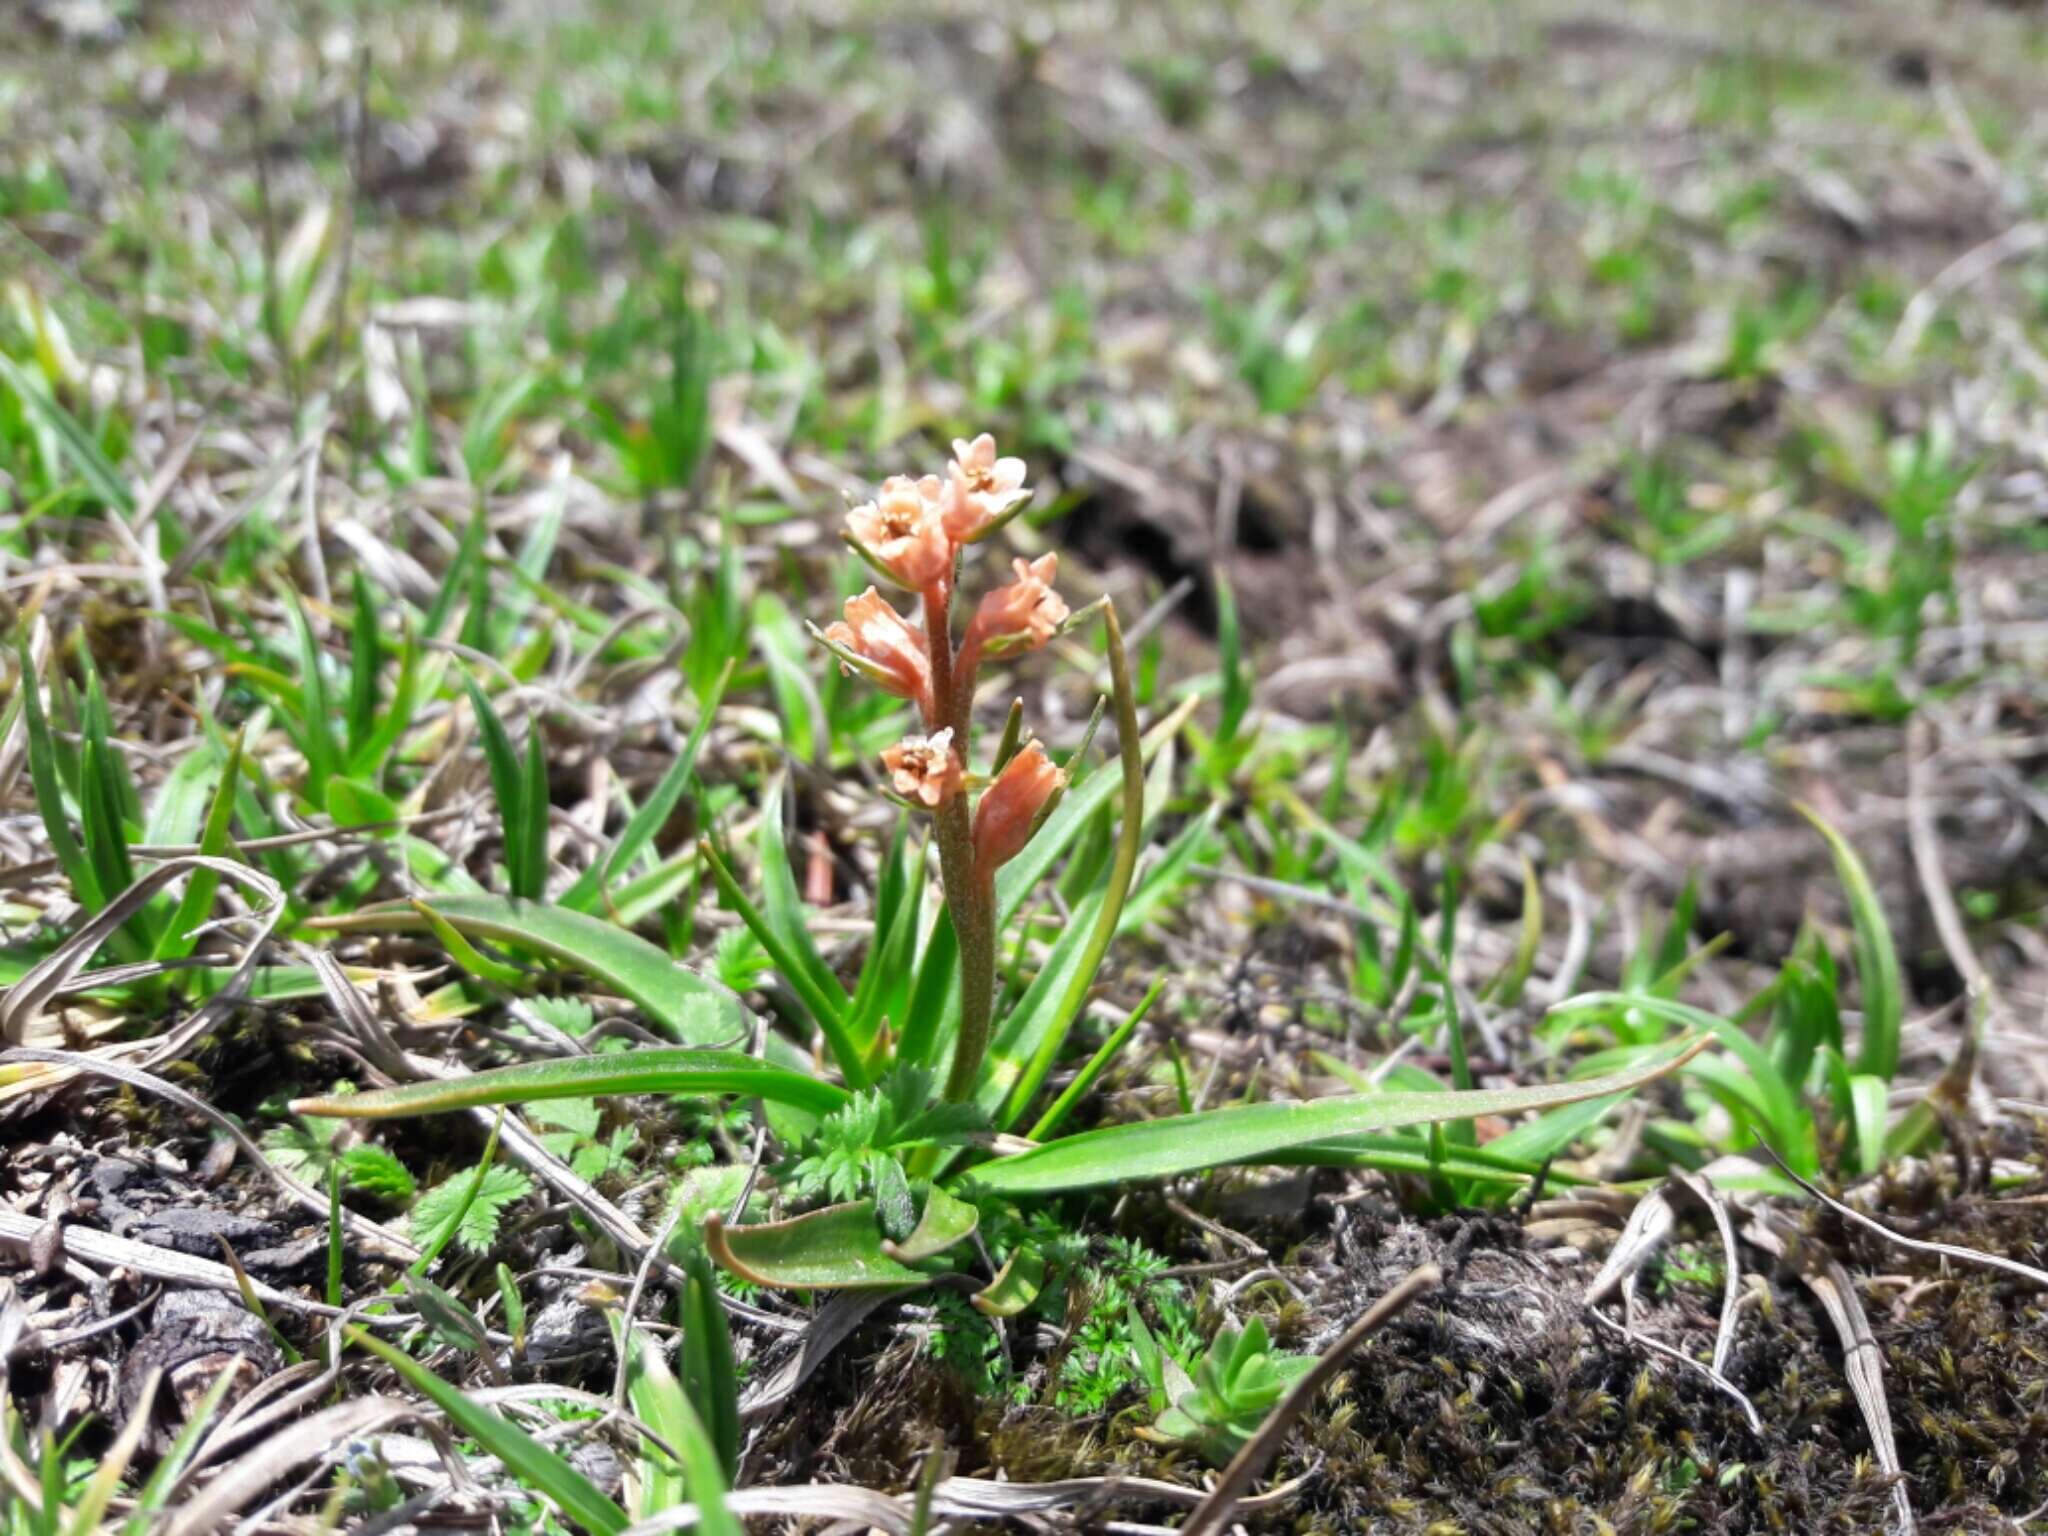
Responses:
[1731,1263]
[1862,1361]
[327,1433]
[1961,1255]
[829,1327]
[387,1241]
[1253,1457]
[1648,1225]
[27,998]
[109,1252]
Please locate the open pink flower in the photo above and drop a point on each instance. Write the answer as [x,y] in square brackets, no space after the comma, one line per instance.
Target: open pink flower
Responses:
[1020,615]
[879,635]
[980,487]
[1002,822]
[925,768]
[903,528]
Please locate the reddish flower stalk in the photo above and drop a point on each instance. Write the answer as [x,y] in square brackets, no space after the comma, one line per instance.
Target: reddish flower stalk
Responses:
[915,533]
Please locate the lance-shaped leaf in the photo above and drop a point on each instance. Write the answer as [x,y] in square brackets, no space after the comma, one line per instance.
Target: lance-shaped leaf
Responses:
[664,1069]
[694,1010]
[1121,1154]
[838,1248]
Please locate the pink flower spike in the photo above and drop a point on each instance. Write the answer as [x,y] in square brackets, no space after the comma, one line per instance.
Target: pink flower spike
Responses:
[924,768]
[904,529]
[1021,615]
[1002,823]
[980,487]
[882,637]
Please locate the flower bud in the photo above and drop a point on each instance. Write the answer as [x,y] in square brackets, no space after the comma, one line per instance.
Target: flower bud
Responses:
[1009,806]
[903,529]
[980,487]
[880,636]
[924,768]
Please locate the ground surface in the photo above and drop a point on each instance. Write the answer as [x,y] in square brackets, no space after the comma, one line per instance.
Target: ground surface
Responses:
[1597,430]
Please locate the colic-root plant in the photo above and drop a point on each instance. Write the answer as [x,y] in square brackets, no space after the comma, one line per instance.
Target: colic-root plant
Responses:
[916,535]
[910,1174]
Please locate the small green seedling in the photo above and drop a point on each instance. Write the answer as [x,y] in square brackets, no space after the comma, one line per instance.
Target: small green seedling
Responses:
[1233,1389]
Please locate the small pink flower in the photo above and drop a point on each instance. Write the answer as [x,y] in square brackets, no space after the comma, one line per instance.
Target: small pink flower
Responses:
[882,637]
[903,527]
[1020,615]
[1002,822]
[924,768]
[981,487]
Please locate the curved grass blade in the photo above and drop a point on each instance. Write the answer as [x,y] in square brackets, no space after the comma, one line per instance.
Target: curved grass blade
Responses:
[694,1010]
[664,1069]
[533,1464]
[1120,1154]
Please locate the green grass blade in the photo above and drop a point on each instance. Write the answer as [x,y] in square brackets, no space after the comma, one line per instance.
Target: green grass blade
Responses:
[1130,837]
[533,1464]
[791,967]
[49,791]
[709,1377]
[365,663]
[1877,960]
[783,909]
[316,724]
[534,816]
[1121,1154]
[180,935]
[693,1010]
[508,784]
[93,466]
[662,1069]
[1771,1100]
[1086,1078]
[652,816]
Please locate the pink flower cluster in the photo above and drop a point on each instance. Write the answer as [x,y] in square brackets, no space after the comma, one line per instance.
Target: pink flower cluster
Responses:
[914,534]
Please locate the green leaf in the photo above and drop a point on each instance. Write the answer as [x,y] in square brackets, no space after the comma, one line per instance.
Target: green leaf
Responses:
[533,1464]
[946,1220]
[709,1378]
[837,1248]
[1877,961]
[49,790]
[662,1069]
[79,445]
[1122,1154]
[365,662]
[180,935]
[375,1171]
[1762,1091]
[508,784]
[316,725]
[1015,1286]
[653,814]
[793,969]
[783,908]
[467,1209]
[692,1009]
[1868,1101]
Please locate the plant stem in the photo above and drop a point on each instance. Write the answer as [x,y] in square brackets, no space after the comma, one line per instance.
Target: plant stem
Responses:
[970,896]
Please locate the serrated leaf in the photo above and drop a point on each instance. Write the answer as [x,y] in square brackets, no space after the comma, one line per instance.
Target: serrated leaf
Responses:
[501,1187]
